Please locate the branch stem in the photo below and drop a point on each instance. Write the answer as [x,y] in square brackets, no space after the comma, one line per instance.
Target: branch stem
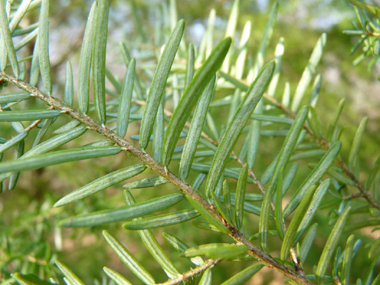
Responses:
[192,272]
[185,188]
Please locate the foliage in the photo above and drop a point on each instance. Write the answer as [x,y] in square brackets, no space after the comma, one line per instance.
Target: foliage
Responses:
[369,32]
[171,93]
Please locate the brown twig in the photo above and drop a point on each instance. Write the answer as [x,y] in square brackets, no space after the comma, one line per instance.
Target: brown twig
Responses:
[353,196]
[192,272]
[185,188]
[369,33]
[35,123]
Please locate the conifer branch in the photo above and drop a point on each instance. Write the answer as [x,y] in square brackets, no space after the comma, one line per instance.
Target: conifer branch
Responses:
[185,188]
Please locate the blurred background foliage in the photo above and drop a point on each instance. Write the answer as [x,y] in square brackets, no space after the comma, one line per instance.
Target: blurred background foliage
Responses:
[27,217]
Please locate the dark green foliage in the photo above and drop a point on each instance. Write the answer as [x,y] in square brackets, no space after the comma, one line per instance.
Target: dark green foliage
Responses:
[368,29]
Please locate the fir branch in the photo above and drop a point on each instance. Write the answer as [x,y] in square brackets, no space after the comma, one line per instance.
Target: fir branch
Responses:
[185,188]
